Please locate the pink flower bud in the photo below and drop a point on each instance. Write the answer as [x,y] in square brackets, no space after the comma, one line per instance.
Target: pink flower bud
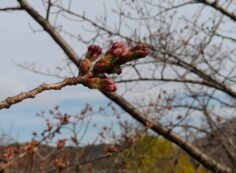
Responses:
[85,66]
[93,52]
[140,50]
[117,55]
[120,52]
[117,49]
[118,44]
[104,84]
[103,65]
[125,52]
[108,85]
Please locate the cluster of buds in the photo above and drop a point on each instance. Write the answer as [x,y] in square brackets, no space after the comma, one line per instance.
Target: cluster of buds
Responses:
[92,54]
[109,63]
[118,55]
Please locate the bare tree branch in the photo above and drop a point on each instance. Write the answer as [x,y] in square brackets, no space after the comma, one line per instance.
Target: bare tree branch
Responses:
[11,9]
[51,31]
[165,80]
[157,127]
[168,134]
[208,79]
[48,9]
[41,88]
[215,5]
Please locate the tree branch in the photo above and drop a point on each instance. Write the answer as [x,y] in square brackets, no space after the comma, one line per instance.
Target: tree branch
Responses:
[11,9]
[48,9]
[51,31]
[165,80]
[157,127]
[215,5]
[43,87]
[208,79]
[168,134]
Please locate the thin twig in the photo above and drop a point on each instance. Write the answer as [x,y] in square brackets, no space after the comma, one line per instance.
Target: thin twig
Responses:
[8,102]
[11,9]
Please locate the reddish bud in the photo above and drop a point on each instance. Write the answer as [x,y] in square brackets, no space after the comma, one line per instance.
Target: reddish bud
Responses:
[124,55]
[85,66]
[139,51]
[118,44]
[93,52]
[108,85]
[111,62]
[103,65]
[118,49]
[105,84]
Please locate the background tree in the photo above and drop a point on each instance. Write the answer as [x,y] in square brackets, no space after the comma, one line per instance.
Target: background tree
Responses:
[192,60]
[151,154]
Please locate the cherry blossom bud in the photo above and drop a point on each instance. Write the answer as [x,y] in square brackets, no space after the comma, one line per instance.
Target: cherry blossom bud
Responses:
[125,55]
[108,63]
[105,84]
[118,44]
[118,49]
[85,66]
[116,56]
[140,51]
[93,52]
[108,85]
[103,65]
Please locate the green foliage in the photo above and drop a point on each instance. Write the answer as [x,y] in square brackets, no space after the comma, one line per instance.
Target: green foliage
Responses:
[156,155]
